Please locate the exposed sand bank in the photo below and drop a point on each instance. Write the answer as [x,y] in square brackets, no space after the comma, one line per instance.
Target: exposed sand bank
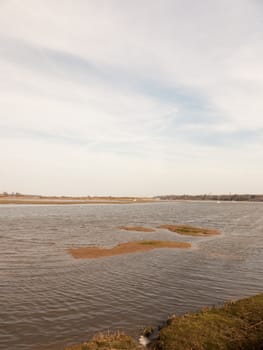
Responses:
[190,230]
[124,248]
[72,200]
[137,228]
[180,229]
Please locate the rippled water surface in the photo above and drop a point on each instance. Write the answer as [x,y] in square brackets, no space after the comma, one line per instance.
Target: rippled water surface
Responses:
[49,299]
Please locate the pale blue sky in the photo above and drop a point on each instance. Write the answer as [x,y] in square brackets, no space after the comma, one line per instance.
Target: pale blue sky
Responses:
[130,97]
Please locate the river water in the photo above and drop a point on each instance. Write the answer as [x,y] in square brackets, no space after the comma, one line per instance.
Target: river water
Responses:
[48,299]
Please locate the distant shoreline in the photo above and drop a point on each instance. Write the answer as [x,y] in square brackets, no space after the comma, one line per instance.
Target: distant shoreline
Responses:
[71,200]
[248,197]
[17,198]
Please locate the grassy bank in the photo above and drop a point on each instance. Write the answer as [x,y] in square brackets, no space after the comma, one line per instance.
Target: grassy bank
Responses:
[235,326]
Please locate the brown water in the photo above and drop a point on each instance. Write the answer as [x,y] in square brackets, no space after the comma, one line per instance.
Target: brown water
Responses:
[48,299]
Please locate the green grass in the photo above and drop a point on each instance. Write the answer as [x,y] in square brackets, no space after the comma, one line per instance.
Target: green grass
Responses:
[235,326]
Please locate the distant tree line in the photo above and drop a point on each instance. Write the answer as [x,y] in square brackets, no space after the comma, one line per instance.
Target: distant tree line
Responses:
[214,197]
[12,194]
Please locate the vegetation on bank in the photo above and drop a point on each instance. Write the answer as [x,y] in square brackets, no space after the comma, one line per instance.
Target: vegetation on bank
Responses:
[190,230]
[214,197]
[108,341]
[235,326]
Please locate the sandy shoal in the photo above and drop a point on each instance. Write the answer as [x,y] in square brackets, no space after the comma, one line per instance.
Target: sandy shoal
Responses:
[124,248]
[136,228]
[190,230]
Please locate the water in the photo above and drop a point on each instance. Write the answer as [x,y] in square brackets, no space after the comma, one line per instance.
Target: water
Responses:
[49,299]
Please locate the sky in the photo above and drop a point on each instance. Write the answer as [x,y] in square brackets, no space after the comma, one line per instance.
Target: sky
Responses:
[140,98]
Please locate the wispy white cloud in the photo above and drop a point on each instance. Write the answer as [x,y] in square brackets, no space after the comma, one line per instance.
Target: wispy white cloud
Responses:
[152,85]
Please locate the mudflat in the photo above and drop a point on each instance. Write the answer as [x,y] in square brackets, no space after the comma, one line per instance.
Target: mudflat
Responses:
[190,230]
[27,199]
[124,248]
[136,228]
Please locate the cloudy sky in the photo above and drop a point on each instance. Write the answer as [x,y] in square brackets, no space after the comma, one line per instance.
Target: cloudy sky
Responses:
[121,97]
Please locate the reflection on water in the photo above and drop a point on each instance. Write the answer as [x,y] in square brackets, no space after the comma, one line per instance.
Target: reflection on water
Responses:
[49,299]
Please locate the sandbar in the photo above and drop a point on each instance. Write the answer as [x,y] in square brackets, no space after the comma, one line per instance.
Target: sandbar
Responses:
[190,230]
[58,200]
[124,248]
[136,228]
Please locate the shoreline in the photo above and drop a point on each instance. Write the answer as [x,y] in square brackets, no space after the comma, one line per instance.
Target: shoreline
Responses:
[235,325]
[15,201]
[19,198]
[70,201]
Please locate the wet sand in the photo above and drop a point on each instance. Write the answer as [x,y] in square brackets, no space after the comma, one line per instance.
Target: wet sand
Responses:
[124,248]
[190,230]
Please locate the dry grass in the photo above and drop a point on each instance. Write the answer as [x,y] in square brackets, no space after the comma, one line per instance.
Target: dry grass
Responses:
[235,326]
[190,230]
[124,248]
[112,341]
[136,228]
